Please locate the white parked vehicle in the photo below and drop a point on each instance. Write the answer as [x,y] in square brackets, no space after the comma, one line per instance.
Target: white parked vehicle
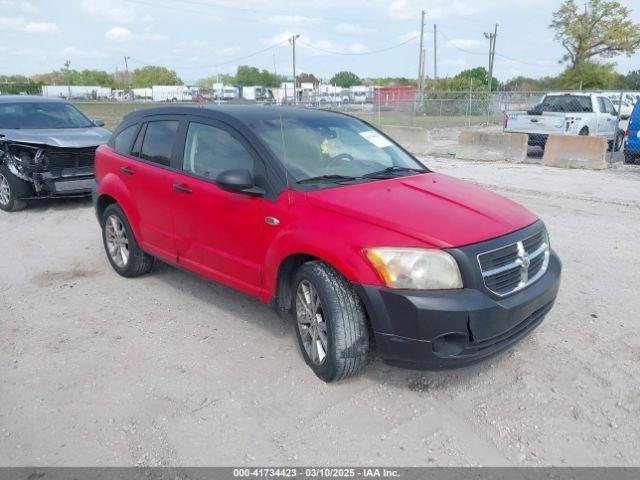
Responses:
[76,91]
[567,114]
[626,107]
[254,93]
[359,94]
[171,93]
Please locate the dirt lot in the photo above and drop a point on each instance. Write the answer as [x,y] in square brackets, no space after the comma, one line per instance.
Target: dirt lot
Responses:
[170,369]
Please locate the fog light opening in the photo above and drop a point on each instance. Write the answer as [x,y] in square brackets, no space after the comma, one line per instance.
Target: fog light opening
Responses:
[450,344]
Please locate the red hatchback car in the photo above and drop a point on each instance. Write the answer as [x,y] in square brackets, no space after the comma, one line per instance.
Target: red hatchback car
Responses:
[331,222]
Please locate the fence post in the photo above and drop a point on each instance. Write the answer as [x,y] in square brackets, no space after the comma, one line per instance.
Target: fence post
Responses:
[468,119]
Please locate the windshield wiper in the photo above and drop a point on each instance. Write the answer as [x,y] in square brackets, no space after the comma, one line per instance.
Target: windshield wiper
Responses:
[328,178]
[393,169]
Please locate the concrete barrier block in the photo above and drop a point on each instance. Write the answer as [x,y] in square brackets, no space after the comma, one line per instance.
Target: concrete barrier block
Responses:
[414,139]
[575,152]
[492,146]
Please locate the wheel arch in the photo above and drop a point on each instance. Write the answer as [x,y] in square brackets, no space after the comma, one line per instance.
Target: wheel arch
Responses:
[112,189]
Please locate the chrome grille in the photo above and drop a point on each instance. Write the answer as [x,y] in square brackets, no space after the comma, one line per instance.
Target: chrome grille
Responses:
[511,268]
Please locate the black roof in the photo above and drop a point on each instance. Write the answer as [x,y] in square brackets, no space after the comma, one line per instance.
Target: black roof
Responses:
[244,114]
[30,99]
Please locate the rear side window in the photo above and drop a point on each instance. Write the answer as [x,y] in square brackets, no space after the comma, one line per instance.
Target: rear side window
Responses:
[210,150]
[158,141]
[123,140]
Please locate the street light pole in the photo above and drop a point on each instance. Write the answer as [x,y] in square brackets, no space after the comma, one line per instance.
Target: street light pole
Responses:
[421,56]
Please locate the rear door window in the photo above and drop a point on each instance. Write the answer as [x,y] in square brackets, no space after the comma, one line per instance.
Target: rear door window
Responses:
[158,141]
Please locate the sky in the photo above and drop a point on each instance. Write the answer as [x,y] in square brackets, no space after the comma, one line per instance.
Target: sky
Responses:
[202,38]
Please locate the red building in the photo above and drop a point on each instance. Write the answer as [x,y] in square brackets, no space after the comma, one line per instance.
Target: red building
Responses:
[397,97]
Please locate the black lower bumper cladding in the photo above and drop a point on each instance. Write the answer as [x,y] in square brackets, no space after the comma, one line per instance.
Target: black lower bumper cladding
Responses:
[442,329]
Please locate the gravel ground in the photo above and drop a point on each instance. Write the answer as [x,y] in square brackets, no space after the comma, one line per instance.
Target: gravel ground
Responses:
[171,369]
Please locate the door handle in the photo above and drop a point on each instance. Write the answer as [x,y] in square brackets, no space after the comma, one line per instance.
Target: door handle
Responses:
[182,189]
[127,170]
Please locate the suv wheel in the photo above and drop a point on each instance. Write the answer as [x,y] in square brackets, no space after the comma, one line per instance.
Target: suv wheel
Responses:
[123,252]
[8,187]
[331,322]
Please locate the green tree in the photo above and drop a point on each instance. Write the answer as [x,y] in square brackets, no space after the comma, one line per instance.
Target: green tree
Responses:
[528,84]
[602,29]
[632,80]
[393,81]
[225,78]
[345,79]
[154,75]
[480,76]
[590,76]
[248,76]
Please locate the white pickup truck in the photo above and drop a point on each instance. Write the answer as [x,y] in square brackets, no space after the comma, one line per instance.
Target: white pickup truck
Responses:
[567,114]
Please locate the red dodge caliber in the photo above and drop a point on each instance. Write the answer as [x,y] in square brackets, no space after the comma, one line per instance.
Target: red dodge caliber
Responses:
[333,224]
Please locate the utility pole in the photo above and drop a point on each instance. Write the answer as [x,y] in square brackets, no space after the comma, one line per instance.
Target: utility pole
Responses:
[126,69]
[421,54]
[435,51]
[292,41]
[492,52]
[67,64]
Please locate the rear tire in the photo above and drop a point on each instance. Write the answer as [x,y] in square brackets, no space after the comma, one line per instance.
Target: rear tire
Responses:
[122,249]
[11,188]
[331,323]
[631,158]
[584,132]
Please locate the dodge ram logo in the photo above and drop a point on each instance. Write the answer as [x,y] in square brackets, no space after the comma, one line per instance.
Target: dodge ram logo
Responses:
[524,261]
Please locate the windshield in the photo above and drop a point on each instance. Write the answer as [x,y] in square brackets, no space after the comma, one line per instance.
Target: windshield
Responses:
[41,115]
[333,145]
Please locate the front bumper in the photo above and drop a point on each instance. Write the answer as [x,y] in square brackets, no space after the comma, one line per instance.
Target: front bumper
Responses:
[433,330]
[68,182]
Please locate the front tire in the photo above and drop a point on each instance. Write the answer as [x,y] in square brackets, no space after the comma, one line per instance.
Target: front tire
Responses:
[331,323]
[122,249]
[10,187]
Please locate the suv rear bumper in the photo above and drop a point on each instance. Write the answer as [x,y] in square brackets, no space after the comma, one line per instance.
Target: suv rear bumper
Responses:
[432,330]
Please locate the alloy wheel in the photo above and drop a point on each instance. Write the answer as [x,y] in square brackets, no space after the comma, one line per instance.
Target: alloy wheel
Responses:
[117,241]
[5,190]
[311,322]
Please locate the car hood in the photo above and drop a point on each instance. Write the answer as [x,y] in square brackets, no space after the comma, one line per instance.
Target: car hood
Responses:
[436,209]
[58,137]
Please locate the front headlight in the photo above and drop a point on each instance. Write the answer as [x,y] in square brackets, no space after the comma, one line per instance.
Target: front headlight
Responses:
[415,268]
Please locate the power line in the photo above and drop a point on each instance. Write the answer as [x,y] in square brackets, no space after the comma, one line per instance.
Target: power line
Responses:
[452,43]
[544,65]
[370,52]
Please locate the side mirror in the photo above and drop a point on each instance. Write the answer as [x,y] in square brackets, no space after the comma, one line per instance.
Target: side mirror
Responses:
[98,123]
[614,113]
[239,181]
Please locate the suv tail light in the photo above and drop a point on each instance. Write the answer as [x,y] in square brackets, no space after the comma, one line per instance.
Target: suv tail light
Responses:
[627,133]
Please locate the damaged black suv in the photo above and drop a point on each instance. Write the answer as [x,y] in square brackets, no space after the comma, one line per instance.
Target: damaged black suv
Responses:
[47,149]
